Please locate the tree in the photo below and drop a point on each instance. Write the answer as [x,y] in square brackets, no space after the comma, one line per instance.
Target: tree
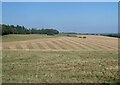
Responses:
[11,29]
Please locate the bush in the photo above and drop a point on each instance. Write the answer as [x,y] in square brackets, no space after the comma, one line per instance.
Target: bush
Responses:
[84,37]
[49,33]
[80,37]
[70,35]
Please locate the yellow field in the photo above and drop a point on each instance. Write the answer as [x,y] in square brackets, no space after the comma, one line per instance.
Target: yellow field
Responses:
[59,59]
[92,42]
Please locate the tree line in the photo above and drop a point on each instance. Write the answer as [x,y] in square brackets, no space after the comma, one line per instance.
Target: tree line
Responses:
[11,29]
[117,35]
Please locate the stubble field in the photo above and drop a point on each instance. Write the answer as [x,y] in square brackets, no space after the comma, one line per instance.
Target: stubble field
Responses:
[60,59]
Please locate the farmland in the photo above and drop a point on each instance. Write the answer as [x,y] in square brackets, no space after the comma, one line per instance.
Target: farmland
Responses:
[55,59]
[60,43]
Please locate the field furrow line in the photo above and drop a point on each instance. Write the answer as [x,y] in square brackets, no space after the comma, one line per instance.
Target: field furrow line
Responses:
[93,45]
[12,47]
[114,45]
[68,44]
[18,46]
[43,44]
[104,46]
[40,45]
[0,47]
[35,46]
[73,44]
[63,44]
[83,44]
[5,47]
[52,45]
[24,46]
[108,42]
[59,44]
[90,45]
[101,45]
[30,46]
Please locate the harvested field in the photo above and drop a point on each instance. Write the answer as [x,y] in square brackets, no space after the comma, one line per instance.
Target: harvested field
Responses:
[60,66]
[64,43]
[93,59]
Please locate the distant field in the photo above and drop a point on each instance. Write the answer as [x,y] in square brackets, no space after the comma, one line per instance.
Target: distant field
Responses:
[40,59]
[44,42]
[20,37]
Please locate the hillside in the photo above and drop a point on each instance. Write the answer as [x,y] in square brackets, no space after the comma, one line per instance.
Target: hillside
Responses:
[44,42]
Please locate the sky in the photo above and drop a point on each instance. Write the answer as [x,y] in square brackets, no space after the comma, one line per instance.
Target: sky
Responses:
[60,0]
[80,17]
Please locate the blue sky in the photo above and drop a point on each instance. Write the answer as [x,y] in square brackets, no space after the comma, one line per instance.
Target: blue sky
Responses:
[83,17]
